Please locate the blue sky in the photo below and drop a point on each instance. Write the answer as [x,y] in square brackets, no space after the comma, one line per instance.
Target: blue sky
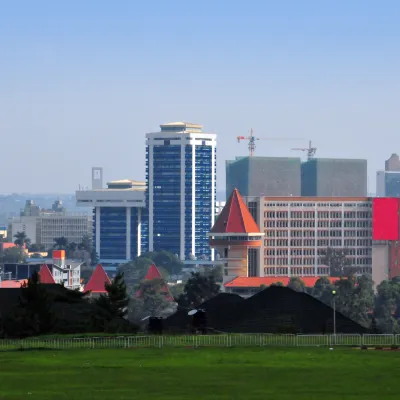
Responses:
[82,81]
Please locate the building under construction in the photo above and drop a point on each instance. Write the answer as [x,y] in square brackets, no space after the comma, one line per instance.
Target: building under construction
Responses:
[334,177]
[264,176]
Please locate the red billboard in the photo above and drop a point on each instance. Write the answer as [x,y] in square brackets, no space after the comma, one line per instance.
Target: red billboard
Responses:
[385,218]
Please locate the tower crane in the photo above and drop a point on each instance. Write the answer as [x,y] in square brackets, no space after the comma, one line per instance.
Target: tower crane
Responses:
[252,141]
[310,151]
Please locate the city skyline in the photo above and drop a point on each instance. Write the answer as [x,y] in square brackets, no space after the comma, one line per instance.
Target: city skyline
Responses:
[83,83]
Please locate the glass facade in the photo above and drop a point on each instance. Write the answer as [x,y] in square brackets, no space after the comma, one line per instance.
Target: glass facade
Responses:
[204,200]
[166,197]
[392,184]
[180,218]
[113,232]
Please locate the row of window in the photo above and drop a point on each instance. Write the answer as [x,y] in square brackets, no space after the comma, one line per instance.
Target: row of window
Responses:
[318,243]
[318,214]
[311,261]
[304,205]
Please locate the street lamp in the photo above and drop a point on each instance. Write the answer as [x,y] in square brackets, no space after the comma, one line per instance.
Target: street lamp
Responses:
[334,314]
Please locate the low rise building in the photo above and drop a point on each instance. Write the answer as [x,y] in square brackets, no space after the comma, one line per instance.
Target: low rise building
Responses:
[43,226]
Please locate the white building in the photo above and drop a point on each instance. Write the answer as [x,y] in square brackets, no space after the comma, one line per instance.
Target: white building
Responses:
[181,189]
[119,232]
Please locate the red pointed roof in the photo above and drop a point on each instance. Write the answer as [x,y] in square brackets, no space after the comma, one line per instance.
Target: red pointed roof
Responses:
[154,273]
[98,281]
[235,217]
[45,275]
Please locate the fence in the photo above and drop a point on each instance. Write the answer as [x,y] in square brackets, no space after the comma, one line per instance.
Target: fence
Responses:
[245,340]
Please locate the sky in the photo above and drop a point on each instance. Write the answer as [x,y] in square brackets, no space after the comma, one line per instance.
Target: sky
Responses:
[81,82]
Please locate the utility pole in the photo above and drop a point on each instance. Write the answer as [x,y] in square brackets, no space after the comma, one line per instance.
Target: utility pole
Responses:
[334,316]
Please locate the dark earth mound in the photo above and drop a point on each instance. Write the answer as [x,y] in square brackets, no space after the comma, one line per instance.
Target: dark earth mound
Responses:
[273,310]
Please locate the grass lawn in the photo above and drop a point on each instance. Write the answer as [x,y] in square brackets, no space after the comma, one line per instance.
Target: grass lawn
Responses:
[232,373]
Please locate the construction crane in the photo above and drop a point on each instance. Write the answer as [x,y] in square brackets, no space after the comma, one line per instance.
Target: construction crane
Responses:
[310,151]
[252,141]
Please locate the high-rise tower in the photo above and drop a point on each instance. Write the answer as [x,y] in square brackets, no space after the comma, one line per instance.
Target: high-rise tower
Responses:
[181,189]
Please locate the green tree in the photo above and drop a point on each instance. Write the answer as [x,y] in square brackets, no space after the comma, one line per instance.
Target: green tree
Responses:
[12,255]
[296,284]
[277,284]
[198,289]
[21,239]
[85,244]
[322,290]
[60,243]
[154,298]
[262,287]
[72,247]
[134,272]
[164,259]
[385,307]
[362,300]
[177,290]
[36,248]
[338,262]
[116,301]
[34,314]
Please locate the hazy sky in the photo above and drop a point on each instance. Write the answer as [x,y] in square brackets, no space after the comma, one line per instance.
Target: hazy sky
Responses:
[81,81]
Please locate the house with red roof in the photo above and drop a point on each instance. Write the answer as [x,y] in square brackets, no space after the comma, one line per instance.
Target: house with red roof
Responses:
[97,282]
[154,273]
[237,238]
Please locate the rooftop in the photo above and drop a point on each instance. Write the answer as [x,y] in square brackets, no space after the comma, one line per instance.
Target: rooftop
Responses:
[181,125]
[127,182]
[235,217]
[255,282]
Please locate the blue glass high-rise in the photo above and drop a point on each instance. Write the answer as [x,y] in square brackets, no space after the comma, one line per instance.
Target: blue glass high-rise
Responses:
[181,189]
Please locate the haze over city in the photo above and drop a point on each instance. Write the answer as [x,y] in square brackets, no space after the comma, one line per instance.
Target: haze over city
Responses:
[82,82]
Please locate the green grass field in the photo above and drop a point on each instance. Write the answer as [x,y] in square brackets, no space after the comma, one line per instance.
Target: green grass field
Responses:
[232,373]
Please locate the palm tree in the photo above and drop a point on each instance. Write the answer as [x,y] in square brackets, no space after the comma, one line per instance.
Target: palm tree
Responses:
[60,243]
[21,239]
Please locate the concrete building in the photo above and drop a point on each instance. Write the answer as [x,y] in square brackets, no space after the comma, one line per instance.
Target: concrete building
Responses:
[388,181]
[264,176]
[119,218]
[392,164]
[181,189]
[47,226]
[73,226]
[299,229]
[331,177]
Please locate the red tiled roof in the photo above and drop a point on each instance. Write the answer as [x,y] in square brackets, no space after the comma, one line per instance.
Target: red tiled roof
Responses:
[154,273]
[235,217]
[45,275]
[12,284]
[97,281]
[244,281]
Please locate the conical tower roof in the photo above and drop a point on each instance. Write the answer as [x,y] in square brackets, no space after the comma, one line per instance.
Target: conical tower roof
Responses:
[97,281]
[235,217]
[45,275]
